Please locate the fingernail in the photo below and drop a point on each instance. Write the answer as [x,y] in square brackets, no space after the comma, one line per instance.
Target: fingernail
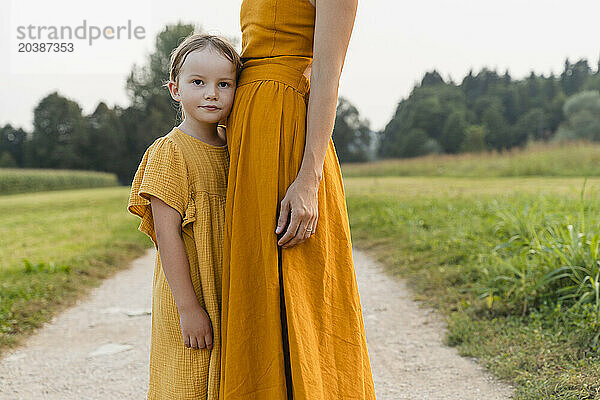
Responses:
[277,230]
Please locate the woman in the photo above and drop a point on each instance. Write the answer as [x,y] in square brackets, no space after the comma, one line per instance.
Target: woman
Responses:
[292,322]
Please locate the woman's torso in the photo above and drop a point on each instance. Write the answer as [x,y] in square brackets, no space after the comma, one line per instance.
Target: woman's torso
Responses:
[272,28]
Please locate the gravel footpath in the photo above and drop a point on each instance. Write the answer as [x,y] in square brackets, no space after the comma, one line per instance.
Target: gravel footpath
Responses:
[98,349]
[408,358]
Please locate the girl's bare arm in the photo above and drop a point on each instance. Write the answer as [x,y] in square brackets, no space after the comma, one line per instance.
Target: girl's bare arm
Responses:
[173,257]
[333,28]
[175,264]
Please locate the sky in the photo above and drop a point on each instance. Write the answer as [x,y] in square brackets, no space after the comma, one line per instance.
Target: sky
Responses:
[393,44]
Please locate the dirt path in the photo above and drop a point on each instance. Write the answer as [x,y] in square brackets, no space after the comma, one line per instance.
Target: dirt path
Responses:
[98,349]
[408,358]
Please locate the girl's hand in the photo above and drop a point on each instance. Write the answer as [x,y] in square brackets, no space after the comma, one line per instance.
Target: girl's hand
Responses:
[196,328]
[301,202]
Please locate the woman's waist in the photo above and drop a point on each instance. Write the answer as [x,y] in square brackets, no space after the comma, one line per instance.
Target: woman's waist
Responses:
[291,70]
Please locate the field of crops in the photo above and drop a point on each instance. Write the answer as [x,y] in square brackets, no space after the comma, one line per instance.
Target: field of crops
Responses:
[15,180]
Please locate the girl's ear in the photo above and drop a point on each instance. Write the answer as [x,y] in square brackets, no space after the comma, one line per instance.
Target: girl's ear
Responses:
[174,90]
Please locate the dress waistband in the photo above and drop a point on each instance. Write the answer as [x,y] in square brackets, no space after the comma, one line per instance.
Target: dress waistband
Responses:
[265,69]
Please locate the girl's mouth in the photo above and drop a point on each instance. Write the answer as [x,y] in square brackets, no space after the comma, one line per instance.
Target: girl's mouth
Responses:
[210,108]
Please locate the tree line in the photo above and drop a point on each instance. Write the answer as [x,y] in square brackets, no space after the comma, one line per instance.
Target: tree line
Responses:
[489,111]
[485,111]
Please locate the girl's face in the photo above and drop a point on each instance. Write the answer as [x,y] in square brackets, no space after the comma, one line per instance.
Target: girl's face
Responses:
[206,86]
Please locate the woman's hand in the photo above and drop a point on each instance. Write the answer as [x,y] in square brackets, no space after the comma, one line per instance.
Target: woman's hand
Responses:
[196,328]
[301,203]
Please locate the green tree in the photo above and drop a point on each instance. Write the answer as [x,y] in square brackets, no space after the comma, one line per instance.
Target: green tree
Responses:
[59,138]
[497,128]
[415,143]
[7,161]
[453,132]
[351,135]
[512,111]
[531,126]
[511,104]
[12,142]
[107,139]
[485,103]
[476,86]
[575,76]
[425,110]
[474,140]
[432,78]
[582,112]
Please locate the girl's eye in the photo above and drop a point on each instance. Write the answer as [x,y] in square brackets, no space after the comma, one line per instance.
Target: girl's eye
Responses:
[224,83]
[197,81]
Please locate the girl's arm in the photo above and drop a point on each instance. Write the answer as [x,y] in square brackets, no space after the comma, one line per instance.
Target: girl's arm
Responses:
[333,26]
[195,324]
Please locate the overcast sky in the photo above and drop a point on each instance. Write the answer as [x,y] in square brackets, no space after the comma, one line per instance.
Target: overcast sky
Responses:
[393,44]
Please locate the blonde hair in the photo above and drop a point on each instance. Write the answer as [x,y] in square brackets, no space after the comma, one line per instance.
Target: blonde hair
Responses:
[200,41]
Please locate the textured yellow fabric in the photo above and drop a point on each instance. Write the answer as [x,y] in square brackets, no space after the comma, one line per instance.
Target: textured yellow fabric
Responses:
[325,341]
[190,176]
[277,28]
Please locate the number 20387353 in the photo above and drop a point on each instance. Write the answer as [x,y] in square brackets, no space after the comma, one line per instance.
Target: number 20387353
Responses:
[45,47]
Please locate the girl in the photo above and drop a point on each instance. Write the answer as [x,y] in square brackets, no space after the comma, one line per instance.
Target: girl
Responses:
[292,325]
[179,193]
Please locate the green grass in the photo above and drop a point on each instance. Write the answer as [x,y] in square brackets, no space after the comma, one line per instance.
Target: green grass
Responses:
[57,245]
[17,180]
[538,159]
[442,235]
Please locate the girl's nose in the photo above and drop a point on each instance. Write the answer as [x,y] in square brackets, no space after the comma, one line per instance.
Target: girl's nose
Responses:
[211,93]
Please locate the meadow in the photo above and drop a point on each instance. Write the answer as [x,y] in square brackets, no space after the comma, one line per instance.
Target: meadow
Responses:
[55,246]
[506,246]
[535,159]
[512,262]
[506,260]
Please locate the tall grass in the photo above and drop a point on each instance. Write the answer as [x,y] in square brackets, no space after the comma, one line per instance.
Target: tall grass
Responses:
[548,257]
[536,159]
[14,180]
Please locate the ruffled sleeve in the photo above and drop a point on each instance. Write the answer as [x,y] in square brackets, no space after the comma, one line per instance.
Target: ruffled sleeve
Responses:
[162,173]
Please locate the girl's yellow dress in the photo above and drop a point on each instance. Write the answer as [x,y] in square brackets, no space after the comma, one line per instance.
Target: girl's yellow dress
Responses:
[190,176]
[292,324]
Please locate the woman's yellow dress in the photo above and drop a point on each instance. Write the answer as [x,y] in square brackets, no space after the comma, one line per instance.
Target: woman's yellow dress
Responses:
[292,324]
[190,176]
